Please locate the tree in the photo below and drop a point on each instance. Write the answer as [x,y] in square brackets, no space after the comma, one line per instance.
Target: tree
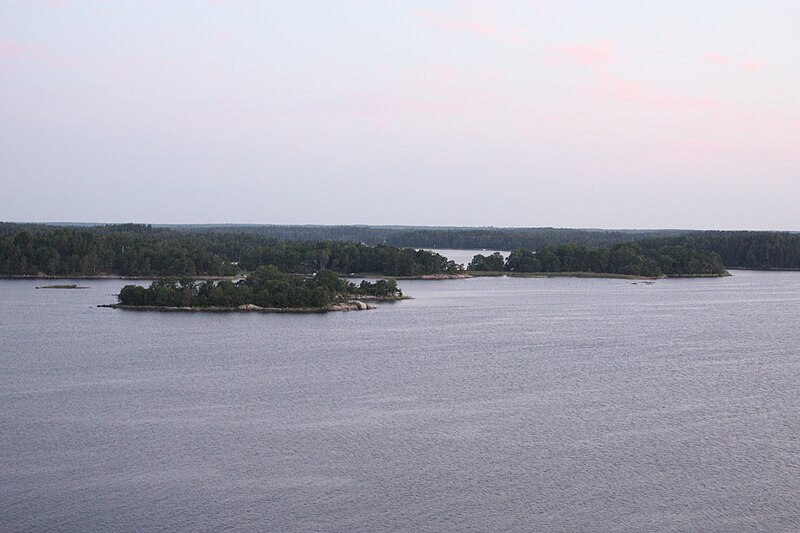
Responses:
[491,263]
[132,295]
[521,260]
[329,281]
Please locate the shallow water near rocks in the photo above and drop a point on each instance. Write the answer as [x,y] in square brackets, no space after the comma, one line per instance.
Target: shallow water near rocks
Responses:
[482,404]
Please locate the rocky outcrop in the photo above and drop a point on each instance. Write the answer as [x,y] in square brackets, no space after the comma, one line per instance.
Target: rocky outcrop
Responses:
[250,307]
[353,305]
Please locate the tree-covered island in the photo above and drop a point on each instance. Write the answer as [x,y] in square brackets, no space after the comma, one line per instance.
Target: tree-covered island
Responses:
[266,289]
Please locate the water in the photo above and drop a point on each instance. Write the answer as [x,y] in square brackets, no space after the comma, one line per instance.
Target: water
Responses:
[482,405]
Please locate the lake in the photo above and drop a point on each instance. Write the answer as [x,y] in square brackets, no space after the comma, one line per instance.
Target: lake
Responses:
[486,404]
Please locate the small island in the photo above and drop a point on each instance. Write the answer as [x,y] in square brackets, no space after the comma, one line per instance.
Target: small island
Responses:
[266,290]
[62,287]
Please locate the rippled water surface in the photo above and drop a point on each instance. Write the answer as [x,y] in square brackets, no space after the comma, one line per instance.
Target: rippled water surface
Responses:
[481,405]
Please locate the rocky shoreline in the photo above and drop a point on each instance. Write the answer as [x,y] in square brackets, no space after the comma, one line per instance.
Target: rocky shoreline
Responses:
[62,287]
[352,305]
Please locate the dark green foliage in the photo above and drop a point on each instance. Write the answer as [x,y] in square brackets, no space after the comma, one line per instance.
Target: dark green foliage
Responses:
[523,261]
[329,281]
[760,250]
[483,263]
[266,287]
[138,250]
[305,257]
[382,287]
[144,250]
[649,258]
[134,295]
[438,237]
[441,237]
[743,249]
[95,251]
[516,238]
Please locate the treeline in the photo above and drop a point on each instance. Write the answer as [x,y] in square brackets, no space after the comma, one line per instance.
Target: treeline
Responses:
[144,250]
[520,238]
[95,251]
[637,259]
[266,287]
[345,257]
[357,233]
[141,250]
[742,249]
[440,237]
[402,236]
[759,250]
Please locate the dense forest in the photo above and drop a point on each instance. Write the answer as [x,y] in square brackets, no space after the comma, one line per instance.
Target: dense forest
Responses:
[438,237]
[403,236]
[150,251]
[515,238]
[646,258]
[266,287]
[139,250]
[759,250]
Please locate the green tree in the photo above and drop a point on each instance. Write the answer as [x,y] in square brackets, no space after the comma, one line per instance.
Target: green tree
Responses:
[491,263]
[521,260]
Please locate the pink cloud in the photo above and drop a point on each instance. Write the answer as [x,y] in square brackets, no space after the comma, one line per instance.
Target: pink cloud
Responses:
[716,59]
[446,72]
[692,149]
[431,77]
[631,92]
[443,22]
[747,64]
[755,64]
[16,52]
[12,49]
[586,54]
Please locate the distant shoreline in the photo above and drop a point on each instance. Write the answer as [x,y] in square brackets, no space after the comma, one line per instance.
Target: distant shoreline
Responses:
[498,274]
[430,277]
[600,275]
[112,277]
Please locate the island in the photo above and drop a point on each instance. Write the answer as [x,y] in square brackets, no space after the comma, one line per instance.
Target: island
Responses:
[266,290]
[62,287]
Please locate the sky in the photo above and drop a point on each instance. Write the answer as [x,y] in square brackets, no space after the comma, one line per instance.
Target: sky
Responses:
[612,114]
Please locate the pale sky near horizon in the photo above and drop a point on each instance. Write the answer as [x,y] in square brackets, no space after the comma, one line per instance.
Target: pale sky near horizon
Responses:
[614,114]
